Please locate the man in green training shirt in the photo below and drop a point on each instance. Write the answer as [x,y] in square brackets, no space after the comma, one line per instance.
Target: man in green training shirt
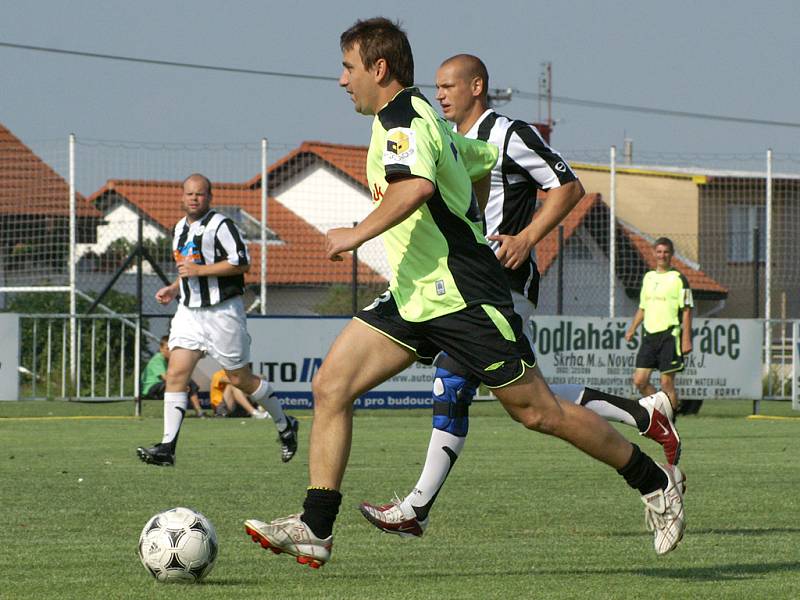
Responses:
[154,381]
[665,308]
[448,293]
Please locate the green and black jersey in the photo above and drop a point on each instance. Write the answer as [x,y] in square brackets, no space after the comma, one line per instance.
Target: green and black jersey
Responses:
[439,257]
[663,298]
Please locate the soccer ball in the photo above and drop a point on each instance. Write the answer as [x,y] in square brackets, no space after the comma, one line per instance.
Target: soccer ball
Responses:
[178,545]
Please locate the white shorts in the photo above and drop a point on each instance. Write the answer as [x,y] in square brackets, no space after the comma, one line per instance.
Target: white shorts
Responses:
[219,331]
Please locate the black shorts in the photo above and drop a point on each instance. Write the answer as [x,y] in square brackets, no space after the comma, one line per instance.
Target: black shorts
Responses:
[156,391]
[661,351]
[477,337]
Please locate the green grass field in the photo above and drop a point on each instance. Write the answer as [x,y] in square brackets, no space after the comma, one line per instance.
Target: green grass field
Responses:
[523,516]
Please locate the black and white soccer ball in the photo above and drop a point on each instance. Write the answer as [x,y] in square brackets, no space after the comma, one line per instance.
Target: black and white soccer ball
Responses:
[178,545]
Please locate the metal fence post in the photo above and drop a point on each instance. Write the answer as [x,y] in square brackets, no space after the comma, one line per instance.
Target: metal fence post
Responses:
[72,272]
[264,197]
[768,275]
[756,271]
[139,300]
[560,273]
[612,236]
[354,306]
[756,298]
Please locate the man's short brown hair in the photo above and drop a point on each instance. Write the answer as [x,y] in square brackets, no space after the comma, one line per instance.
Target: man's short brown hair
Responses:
[381,38]
[665,241]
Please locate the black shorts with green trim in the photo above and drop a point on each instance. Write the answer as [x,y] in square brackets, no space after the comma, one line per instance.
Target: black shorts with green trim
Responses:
[662,351]
[487,340]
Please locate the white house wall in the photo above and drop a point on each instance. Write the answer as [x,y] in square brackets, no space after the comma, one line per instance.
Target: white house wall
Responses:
[585,284]
[121,222]
[326,199]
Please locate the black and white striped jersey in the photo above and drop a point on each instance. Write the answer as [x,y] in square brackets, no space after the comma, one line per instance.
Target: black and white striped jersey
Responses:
[212,239]
[526,164]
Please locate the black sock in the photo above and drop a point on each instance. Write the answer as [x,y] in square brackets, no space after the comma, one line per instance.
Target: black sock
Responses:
[632,407]
[642,473]
[320,509]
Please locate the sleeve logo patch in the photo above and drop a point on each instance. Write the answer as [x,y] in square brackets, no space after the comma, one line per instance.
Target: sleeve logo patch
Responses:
[401,147]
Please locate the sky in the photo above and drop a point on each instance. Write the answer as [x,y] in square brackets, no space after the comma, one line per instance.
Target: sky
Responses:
[724,57]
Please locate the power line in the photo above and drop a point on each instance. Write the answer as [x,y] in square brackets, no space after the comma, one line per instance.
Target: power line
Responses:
[657,111]
[167,63]
[520,93]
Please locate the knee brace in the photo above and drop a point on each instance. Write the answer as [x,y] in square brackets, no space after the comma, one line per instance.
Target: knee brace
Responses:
[452,395]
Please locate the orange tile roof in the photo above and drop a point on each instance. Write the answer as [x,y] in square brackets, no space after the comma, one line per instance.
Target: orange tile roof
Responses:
[547,249]
[299,260]
[349,160]
[698,280]
[29,186]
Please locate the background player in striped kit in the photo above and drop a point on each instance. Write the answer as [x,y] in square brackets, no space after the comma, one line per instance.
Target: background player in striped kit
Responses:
[526,164]
[212,259]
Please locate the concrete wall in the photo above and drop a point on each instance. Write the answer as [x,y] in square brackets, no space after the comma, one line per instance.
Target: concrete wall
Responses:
[654,204]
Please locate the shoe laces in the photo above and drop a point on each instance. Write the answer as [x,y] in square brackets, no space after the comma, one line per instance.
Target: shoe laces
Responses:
[653,519]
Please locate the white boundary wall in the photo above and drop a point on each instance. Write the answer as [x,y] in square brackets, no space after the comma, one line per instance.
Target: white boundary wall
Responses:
[9,356]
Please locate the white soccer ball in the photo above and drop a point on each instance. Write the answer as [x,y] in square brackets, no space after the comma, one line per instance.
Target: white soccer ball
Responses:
[178,545]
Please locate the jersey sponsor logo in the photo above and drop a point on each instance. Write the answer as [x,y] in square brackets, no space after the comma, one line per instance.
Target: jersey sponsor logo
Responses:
[561,167]
[401,147]
[188,251]
[377,193]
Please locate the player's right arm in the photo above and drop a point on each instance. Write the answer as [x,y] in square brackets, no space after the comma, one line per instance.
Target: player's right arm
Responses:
[401,199]
[637,320]
[168,293]
[515,249]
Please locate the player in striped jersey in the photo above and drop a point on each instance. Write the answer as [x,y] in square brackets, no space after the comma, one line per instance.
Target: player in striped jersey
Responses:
[526,164]
[212,258]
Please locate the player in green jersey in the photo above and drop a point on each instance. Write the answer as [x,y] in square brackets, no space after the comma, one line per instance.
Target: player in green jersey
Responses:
[448,293]
[665,309]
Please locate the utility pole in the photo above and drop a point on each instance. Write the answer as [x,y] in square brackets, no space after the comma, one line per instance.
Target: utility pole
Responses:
[546,93]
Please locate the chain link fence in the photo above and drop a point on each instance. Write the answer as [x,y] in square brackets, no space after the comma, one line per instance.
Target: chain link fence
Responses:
[71,212]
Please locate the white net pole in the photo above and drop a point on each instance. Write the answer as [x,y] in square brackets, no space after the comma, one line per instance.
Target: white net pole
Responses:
[768,275]
[71,255]
[796,365]
[612,232]
[264,197]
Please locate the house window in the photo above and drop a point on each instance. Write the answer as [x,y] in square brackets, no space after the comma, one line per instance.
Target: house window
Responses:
[250,226]
[743,219]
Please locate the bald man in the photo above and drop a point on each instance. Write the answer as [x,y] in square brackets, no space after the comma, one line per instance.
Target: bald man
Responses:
[526,165]
[212,258]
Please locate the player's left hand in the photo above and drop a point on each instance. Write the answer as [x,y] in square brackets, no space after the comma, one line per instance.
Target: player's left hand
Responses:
[514,250]
[686,346]
[188,268]
[338,240]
